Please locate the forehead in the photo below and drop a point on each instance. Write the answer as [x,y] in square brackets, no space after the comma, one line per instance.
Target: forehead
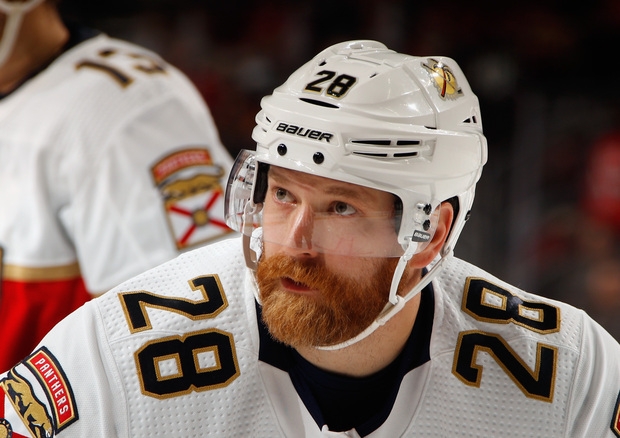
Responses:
[280,175]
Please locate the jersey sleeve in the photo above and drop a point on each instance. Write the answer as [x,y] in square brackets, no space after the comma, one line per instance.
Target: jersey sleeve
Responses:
[154,189]
[63,383]
[594,405]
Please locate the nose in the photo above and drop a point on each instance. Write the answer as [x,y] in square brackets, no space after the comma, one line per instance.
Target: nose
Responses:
[300,228]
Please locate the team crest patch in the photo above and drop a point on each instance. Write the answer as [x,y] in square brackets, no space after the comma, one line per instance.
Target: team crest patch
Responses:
[36,399]
[615,421]
[444,79]
[189,183]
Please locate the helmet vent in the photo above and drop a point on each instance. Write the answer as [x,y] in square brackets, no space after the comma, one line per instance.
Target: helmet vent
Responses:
[319,103]
[373,142]
[389,148]
[472,119]
[386,155]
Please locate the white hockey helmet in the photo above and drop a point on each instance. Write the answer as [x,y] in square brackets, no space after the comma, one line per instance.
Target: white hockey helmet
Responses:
[14,10]
[361,113]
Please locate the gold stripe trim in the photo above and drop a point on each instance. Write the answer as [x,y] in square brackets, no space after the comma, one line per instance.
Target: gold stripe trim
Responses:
[21,273]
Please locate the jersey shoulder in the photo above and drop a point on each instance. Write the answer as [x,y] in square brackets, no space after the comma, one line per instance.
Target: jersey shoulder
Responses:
[500,352]
[100,86]
[101,82]
[200,288]
[121,67]
[481,301]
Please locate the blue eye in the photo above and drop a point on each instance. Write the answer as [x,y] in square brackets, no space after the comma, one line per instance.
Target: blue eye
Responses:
[343,209]
[282,195]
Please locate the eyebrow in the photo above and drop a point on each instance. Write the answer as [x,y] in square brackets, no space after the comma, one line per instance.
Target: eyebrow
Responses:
[335,189]
[345,192]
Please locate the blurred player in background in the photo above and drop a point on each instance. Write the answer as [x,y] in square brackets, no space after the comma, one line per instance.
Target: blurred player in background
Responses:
[341,311]
[110,163]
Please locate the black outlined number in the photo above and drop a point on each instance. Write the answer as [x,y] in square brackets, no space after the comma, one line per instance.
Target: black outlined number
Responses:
[104,63]
[214,301]
[189,374]
[337,87]
[537,383]
[489,302]
[178,365]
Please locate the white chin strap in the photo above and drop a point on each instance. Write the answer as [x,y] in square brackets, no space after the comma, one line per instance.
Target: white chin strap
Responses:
[14,14]
[395,302]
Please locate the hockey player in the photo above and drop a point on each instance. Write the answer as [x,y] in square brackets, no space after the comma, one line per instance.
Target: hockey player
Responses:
[110,164]
[341,310]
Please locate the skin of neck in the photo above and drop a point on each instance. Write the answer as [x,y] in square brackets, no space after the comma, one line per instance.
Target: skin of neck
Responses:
[42,35]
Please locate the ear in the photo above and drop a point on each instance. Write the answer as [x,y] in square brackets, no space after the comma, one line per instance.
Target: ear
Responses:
[423,258]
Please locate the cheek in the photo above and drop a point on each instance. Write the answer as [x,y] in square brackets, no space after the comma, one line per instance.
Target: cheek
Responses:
[360,269]
[269,249]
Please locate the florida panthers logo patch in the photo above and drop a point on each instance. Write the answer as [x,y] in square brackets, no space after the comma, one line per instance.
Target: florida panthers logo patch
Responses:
[36,399]
[28,407]
[189,183]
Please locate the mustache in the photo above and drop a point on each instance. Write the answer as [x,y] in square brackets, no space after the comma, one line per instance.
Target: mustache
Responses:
[311,273]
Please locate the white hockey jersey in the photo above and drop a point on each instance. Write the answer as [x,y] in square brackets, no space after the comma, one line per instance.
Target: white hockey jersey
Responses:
[110,164]
[177,351]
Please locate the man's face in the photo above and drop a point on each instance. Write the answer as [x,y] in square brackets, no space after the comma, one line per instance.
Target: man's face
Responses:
[315,287]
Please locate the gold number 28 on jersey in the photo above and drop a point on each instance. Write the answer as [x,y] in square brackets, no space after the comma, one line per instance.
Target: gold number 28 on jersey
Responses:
[177,365]
[488,302]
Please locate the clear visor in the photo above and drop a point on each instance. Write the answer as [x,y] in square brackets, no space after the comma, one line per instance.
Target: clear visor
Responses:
[311,232]
[307,227]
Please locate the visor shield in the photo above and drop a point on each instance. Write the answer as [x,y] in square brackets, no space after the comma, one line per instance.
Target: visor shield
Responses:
[312,232]
[239,212]
[302,226]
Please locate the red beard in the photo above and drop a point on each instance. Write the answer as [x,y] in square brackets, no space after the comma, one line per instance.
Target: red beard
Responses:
[342,309]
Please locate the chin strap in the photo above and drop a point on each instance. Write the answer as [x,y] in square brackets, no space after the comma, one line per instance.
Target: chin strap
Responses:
[395,302]
[14,14]
[11,29]
[400,269]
